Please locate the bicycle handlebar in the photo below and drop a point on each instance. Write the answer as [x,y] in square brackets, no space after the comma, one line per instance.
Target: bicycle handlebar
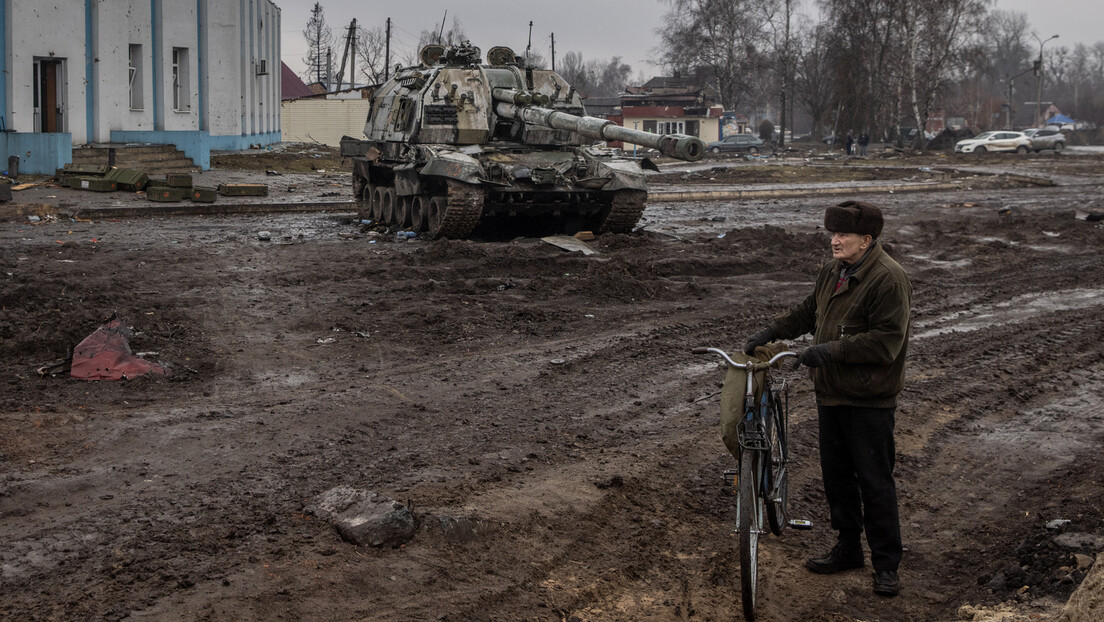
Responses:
[750,365]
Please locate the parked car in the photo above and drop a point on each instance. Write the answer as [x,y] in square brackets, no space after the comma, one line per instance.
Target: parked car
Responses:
[1050,137]
[736,142]
[994,141]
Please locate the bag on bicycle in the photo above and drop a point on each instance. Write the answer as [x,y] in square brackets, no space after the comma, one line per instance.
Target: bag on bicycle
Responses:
[732,394]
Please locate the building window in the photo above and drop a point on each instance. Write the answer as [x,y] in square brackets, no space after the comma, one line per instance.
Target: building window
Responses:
[136,77]
[671,127]
[181,95]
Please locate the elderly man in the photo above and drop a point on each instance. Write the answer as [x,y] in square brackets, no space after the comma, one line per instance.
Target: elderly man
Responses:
[858,314]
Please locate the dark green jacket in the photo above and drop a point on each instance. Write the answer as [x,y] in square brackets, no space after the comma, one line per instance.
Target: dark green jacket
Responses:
[865,323]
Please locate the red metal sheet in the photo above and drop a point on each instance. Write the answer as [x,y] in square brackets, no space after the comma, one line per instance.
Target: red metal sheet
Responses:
[106,355]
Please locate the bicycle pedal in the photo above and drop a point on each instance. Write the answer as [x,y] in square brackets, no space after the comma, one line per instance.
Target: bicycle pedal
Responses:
[731,477]
[798,523]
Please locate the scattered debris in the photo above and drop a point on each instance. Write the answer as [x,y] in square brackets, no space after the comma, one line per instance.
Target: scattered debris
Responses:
[584,236]
[1058,524]
[1093,216]
[569,243]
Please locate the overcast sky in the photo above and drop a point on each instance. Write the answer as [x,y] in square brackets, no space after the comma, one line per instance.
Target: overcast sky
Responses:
[599,29]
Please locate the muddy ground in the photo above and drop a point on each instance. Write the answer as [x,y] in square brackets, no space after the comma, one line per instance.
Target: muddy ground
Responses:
[538,410]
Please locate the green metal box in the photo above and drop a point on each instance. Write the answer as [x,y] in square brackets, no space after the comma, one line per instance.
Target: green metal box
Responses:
[129,179]
[165,194]
[204,194]
[94,184]
[87,170]
[178,180]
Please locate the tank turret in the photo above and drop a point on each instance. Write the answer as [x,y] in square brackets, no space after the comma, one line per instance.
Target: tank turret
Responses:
[455,142]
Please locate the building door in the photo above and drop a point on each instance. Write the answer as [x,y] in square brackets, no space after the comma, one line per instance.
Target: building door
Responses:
[49,95]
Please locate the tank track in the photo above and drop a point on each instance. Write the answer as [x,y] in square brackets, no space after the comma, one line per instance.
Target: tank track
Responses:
[626,208]
[465,206]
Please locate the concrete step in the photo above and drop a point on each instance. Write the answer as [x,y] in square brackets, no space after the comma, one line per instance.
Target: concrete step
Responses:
[153,159]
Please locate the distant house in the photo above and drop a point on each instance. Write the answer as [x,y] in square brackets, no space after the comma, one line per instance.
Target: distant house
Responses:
[292,86]
[199,75]
[672,104]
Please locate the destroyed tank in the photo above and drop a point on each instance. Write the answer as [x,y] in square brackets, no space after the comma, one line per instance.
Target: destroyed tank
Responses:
[455,142]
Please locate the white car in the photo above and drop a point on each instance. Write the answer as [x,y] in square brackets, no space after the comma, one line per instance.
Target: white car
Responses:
[995,141]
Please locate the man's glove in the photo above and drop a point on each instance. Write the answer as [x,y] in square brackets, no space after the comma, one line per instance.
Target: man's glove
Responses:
[758,339]
[814,356]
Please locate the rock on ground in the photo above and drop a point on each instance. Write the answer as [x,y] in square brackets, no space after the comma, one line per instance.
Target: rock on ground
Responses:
[365,518]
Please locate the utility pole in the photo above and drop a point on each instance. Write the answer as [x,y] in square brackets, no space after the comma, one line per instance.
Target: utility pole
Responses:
[387,52]
[350,50]
[529,45]
[329,69]
[553,51]
[1039,77]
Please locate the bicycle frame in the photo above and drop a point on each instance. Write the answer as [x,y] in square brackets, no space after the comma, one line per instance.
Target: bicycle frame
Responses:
[761,487]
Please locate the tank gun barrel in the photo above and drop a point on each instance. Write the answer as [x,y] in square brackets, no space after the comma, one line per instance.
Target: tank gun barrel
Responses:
[679,146]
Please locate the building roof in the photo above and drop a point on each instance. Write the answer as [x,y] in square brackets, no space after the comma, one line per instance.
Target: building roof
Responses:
[291,87]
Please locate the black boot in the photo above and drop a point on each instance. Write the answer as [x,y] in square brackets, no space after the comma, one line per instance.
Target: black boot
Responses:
[841,557]
[886,583]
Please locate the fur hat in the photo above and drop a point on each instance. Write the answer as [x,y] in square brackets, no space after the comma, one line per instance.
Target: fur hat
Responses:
[854,217]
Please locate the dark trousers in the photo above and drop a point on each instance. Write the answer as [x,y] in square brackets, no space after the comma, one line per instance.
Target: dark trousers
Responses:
[857,455]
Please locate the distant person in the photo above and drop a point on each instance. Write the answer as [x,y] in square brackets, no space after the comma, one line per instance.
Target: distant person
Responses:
[850,141]
[859,316]
[864,140]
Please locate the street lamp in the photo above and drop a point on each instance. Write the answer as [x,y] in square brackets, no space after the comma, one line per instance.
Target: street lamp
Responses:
[1039,77]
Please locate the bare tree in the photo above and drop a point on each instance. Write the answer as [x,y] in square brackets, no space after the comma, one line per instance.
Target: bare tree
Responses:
[453,36]
[813,84]
[319,41]
[930,33]
[370,51]
[594,78]
[720,39]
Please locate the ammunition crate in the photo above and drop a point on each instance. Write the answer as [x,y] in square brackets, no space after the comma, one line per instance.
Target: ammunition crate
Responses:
[204,194]
[95,184]
[165,194]
[178,180]
[86,170]
[243,190]
[156,182]
[129,179]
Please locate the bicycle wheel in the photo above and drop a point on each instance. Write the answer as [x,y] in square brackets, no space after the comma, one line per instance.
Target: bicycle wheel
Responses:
[777,480]
[751,522]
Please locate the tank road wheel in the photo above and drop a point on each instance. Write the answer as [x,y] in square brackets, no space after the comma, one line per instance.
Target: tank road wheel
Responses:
[387,206]
[455,215]
[418,208]
[626,208]
[435,214]
[377,203]
[402,211]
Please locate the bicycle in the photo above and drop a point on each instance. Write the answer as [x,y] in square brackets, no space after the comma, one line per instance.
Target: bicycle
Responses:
[761,480]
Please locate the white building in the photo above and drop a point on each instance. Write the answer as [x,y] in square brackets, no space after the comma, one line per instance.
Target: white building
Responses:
[199,74]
